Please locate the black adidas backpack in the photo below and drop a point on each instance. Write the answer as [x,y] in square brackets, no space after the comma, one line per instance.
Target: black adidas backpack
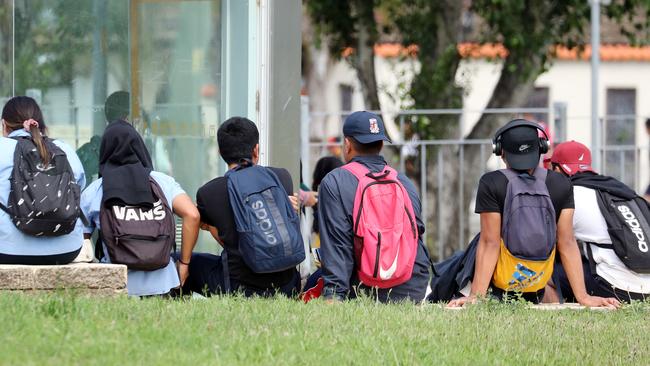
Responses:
[628,220]
[628,225]
[43,201]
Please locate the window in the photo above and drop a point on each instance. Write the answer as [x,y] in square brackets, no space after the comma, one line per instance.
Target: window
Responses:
[346,97]
[619,131]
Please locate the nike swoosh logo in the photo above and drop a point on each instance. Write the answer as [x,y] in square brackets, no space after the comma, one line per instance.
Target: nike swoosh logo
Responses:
[387,274]
[524,147]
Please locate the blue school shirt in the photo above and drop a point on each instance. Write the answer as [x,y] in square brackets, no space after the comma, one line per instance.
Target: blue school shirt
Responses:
[139,283]
[12,240]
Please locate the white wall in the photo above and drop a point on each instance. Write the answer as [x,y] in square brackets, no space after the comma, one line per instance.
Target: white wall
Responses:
[568,81]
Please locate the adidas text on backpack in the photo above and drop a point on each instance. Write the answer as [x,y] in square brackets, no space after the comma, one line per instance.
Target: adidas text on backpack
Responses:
[267,226]
[628,225]
[44,200]
[385,232]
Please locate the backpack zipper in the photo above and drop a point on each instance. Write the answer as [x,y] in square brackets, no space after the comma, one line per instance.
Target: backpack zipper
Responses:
[377,255]
[356,222]
[139,237]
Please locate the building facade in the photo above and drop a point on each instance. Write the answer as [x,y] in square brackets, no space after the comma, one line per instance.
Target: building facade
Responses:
[624,88]
[187,66]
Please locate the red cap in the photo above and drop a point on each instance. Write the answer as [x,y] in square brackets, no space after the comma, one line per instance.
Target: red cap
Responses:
[572,157]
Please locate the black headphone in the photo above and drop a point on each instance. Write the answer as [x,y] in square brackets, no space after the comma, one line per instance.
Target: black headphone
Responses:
[497,149]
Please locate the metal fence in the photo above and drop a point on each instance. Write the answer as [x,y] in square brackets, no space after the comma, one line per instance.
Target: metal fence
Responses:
[426,160]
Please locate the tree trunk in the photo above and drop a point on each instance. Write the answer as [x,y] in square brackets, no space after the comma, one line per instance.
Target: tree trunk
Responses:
[317,64]
[364,64]
[510,92]
[434,86]
[363,57]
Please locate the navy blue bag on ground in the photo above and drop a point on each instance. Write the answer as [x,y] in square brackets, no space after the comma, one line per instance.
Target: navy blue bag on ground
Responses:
[267,225]
[453,274]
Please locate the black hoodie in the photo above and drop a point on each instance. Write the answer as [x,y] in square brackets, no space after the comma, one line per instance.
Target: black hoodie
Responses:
[124,165]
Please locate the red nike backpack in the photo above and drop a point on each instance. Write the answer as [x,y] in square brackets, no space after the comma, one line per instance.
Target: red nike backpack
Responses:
[385,233]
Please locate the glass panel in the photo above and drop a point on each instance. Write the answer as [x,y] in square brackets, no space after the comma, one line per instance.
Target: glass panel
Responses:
[183,65]
[177,86]
[70,74]
[6,49]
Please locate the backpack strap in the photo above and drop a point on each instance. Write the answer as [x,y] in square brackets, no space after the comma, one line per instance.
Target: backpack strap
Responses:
[361,171]
[5,209]
[539,173]
[357,169]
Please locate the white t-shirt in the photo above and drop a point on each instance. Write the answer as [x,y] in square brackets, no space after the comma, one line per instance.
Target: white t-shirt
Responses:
[589,225]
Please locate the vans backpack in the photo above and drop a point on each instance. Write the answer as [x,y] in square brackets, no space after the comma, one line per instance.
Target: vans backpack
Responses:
[140,238]
[385,232]
[43,201]
[528,234]
[628,225]
[266,223]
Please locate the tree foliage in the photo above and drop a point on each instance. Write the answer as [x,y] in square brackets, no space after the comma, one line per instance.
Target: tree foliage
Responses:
[529,30]
[53,39]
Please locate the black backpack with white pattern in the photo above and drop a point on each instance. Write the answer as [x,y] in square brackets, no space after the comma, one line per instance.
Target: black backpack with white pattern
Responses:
[43,201]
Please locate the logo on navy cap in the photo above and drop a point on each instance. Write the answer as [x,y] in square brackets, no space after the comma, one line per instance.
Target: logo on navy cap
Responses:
[374,126]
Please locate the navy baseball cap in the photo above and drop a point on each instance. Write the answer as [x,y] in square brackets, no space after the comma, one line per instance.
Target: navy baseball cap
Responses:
[365,127]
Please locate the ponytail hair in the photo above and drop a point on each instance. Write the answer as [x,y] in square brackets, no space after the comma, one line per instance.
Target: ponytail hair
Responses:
[23,112]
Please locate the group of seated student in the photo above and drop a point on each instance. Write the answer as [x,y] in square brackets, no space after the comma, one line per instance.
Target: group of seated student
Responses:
[596,224]
[369,215]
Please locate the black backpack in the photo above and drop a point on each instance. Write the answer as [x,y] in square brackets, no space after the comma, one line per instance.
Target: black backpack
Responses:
[629,229]
[140,238]
[627,217]
[43,201]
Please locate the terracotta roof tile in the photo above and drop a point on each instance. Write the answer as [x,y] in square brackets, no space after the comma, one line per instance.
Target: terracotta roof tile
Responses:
[608,52]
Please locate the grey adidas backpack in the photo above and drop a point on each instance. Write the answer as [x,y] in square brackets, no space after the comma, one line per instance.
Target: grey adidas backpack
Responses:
[43,201]
[529,225]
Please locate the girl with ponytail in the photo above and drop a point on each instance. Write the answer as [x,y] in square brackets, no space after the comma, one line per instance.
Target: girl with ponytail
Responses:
[24,113]
[22,118]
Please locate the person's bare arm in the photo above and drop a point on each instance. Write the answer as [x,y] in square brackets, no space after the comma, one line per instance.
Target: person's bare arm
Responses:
[187,211]
[572,263]
[487,255]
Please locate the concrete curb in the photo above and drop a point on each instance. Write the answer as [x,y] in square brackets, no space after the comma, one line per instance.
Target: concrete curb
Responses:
[91,278]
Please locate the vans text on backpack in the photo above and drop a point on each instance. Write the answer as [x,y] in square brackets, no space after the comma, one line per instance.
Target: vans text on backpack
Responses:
[140,238]
[385,234]
[267,226]
[44,200]
[528,234]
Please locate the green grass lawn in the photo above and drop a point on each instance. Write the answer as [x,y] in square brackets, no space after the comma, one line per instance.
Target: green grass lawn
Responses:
[66,329]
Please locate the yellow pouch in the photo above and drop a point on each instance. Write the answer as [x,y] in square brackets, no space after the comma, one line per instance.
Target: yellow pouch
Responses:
[521,275]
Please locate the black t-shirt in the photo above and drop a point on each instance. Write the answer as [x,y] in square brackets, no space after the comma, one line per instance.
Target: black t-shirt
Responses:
[492,190]
[214,206]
